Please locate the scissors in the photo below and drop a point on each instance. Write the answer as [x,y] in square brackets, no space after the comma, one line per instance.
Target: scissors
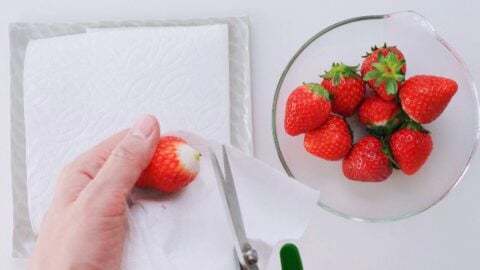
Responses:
[246,255]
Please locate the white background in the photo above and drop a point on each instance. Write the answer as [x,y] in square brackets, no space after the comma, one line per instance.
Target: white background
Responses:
[445,237]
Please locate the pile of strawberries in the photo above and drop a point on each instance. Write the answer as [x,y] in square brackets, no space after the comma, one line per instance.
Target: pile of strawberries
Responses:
[391,107]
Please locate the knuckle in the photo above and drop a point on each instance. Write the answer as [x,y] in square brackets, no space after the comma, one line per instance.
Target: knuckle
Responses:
[94,163]
[123,153]
[74,164]
[84,164]
[126,155]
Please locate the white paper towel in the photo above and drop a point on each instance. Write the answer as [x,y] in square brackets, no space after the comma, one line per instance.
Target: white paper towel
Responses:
[190,230]
[81,88]
[70,104]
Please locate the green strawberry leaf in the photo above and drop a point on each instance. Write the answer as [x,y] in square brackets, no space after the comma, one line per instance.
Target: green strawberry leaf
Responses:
[377,131]
[372,75]
[416,126]
[380,57]
[379,81]
[398,121]
[392,57]
[340,71]
[387,68]
[400,77]
[351,72]
[391,86]
[372,49]
[319,90]
[388,153]
[377,65]
[336,79]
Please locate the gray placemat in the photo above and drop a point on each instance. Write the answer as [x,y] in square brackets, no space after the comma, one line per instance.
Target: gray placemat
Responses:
[21,33]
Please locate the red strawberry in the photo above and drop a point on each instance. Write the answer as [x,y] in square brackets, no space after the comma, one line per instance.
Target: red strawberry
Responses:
[384,70]
[410,147]
[367,162]
[379,115]
[346,87]
[331,141]
[174,165]
[308,107]
[424,97]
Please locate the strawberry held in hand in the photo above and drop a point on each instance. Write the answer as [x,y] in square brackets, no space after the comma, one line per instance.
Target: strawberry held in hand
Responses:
[367,161]
[410,147]
[174,165]
[384,70]
[308,107]
[331,141]
[424,97]
[379,115]
[346,87]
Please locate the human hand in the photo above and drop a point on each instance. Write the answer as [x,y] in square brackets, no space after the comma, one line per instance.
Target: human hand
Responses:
[86,224]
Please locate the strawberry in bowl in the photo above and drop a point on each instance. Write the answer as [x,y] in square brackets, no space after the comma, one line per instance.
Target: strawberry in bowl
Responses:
[331,141]
[308,107]
[424,97]
[381,117]
[346,87]
[415,80]
[384,70]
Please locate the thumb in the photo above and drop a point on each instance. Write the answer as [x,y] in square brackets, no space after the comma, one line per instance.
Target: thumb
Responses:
[126,162]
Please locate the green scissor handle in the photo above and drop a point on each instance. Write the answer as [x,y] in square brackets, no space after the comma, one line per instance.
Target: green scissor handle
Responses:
[290,257]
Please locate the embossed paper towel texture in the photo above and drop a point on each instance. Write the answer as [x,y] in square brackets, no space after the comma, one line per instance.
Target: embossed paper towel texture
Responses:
[81,88]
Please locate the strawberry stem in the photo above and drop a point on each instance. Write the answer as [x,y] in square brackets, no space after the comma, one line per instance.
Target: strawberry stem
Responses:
[319,90]
[415,126]
[340,71]
[387,69]
[398,121]
[388,153]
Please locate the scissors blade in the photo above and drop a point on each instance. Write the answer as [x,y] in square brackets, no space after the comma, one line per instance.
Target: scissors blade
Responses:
[232,201]
[226,190]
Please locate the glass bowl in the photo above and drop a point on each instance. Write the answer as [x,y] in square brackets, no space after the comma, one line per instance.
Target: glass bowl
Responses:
[455,133]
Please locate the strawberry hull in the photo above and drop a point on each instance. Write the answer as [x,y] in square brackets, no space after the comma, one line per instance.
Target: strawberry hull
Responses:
[346,87]
[384,71]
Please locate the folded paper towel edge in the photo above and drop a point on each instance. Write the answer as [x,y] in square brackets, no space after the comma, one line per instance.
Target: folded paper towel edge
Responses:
[215,146]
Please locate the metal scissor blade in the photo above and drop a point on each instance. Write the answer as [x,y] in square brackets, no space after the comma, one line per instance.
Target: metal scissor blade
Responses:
[221,185]
[233,204]
[246,254]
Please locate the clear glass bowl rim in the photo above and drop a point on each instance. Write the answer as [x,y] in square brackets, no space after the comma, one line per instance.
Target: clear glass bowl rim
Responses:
[377,17]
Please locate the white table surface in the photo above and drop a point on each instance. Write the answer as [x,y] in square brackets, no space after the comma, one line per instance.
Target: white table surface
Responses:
[445,237]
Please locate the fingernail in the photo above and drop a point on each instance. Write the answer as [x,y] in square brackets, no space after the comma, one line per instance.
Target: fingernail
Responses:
[144,127]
